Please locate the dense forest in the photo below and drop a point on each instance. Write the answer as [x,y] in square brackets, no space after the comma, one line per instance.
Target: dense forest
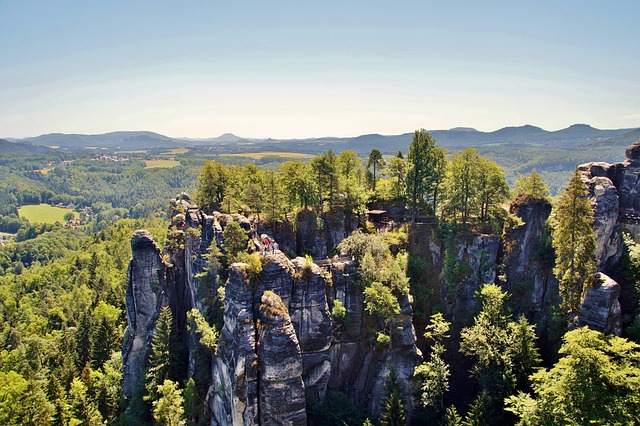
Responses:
[62,288]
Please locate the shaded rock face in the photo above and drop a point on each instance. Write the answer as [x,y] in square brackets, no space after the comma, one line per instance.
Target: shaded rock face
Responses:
[527,274]
[478,260]
[145,296]
[358,368]
[312,321]
[600,309]
[317,236]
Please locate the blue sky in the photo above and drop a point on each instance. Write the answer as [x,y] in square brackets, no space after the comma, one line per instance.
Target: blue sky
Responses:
[288,69]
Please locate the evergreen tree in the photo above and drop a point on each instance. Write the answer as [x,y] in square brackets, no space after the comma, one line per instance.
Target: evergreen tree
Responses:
[376,161]
[434,374]
[83,409]
[167,409]
[574,243]
[84,341]
[393,405]
[502,351]
[451,417]
[235,240]
[160,357]
[58,397]
[531,186]
[597,381]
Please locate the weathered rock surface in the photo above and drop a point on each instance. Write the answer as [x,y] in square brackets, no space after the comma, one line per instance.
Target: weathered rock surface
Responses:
[479,260]
[282,396]
[527,275]
[233,395]
[279,348]
[145,296]
[600,309]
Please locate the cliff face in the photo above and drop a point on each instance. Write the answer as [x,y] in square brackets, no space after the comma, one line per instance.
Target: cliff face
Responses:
[614,190]
[279,348]
[146,294]
[527,260]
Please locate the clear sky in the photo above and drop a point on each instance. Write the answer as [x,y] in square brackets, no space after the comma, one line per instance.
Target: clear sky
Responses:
[287,69]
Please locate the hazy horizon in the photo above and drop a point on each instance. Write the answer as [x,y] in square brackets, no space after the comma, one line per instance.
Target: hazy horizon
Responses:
[301,70]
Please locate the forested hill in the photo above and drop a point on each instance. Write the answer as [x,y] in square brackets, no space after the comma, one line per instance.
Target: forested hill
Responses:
[7,147]
[570,138]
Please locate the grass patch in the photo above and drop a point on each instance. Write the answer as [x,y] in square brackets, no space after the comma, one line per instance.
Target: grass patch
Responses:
[135,151]
[165,164]
[176,151]
[43,213]
[262,154]
[44,171]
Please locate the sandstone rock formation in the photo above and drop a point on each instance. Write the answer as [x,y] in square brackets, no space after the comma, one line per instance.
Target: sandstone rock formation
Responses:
[600,309]
[145,296]
[527,264]
[279,348]
[615,196]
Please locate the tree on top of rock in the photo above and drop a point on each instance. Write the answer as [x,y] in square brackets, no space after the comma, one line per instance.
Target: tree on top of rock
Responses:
[235,240]
[574,243]
[531,187]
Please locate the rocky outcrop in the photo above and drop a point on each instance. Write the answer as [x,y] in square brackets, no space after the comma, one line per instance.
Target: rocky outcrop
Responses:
[279,348]
[600,309]
[525,255]
[233,394]
[145,295]
[319,235]
[474,264]
[312,321]
[282,391]
[359,368]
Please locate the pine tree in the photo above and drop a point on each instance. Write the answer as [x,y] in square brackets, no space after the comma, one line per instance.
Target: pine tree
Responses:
[159,360]
[434,374]
[531,186]
[377,162]
[451,417]
[58,397]
[167,409]
[574,243]
[393,406]
[84,341]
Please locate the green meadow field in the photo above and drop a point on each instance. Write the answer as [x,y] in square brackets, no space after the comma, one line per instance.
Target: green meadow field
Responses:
[166,164]
[43,213]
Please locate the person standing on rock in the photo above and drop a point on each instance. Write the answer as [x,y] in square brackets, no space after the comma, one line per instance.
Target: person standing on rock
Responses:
[275,247]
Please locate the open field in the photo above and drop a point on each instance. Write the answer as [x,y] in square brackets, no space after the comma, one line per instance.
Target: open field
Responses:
[43,213]
[44,171]
[262,154]
[166,164]
[176,151]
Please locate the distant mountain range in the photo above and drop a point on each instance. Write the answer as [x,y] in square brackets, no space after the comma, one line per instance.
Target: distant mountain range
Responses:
[570,138]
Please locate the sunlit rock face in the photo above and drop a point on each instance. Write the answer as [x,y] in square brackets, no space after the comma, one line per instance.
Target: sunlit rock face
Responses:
[600,308]
[145,296]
